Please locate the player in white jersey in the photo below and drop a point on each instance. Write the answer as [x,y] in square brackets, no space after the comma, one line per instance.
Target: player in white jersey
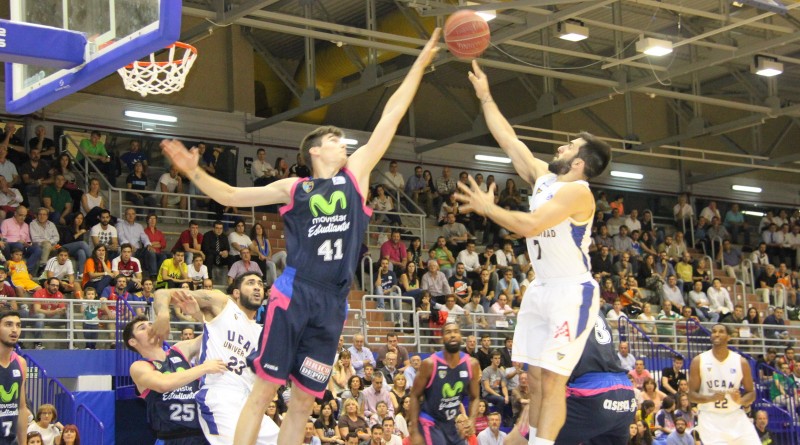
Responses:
[230,334]
[715,379]
[558,309]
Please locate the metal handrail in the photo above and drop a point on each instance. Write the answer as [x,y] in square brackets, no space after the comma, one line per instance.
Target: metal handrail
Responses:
[747,268]
[366,283]
[710,263]
[713,250]
[91,428]
[744,292]
[779,287]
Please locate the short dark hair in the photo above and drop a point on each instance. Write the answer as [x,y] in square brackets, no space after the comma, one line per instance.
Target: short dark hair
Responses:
[62,250]
[127,332]
[10,313]
[314,139]
[125,246]
[237,283]
[376,427]
[596,155]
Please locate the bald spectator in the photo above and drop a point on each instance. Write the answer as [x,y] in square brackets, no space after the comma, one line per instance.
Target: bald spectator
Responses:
[435,282]
[17,235]
[44,234]
[626,359]
[360,355]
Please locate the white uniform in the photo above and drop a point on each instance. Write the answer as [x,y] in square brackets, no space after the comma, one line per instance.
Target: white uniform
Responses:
[231,336]
[558,309]
[723,422]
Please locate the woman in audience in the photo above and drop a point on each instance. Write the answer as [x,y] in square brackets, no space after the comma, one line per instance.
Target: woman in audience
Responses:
[646,244]
[646,414]
[343,370]
[46,424]
[481,419]
[157,239]
[702,274]
[354,390]
[73,238]
[33,438]
[686,411]
[398,391]
[97,270]
[665,420]
[70,435]
[64,168]
[651,392]
[489,181]
[92,203]
[198,271]
[400,421]
[282,167]
[382,202]
[608,292]
[137,181]
[415,254]
[326,426]
[263,253]
[648,277]
[272,413]
[643,436]
[510,196]
[409,281]
[428,177]
[353,420]
[752,316]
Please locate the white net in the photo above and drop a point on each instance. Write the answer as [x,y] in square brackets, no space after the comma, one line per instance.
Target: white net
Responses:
[159,77]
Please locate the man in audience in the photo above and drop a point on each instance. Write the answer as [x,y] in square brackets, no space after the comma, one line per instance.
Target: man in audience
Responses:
[471,260]
[460,285]
[57,200]
[679,436]
[670,376]
[700,301]
[103,233]
[385,283]
[129,267]
[678,247]
[475,314]
[760,260]
[44,234]
[17,235]
[411,370]
[632,222]
[667,314]
[377,392]
[670,291]
[622,269]
[761,423]
[484,352]
[94,149]
[622,242]
[133,155]
[47,309]
[35,175]
[215,247]
[492,435]
[603,238]
[360,355]
[766,286]
[395,251]
[776,319]
[773,238]
[455,313]
[173,272]
[455,234]
[238,239]
[10,198]
[444,257]
[132,233]
[508,286]
[684,269]
[61,267]
[494,383]
[626,359]
[614,314]
[719,299]
[44,144]
[171,182]
[419,190]
[435,282]
[731,259]
[7,168]
[717,230]
[392,345]
[445,186]
[393,180]
[243,266]
[471,346]
[639,374]
[190,241]
[603,263]
[389,368]
[616,221]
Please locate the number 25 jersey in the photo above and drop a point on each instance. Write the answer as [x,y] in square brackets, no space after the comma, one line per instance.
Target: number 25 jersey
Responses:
[562,250]
[324,224]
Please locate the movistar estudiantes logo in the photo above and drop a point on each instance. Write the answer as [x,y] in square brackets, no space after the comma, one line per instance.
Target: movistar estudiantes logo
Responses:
[8,396]
[452,391]
[318,203]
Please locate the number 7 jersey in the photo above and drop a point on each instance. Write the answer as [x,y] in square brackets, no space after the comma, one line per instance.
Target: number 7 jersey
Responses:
[324,225]
[562,250]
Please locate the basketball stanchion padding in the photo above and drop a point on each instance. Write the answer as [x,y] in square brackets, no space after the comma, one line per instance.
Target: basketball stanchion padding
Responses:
[159,77]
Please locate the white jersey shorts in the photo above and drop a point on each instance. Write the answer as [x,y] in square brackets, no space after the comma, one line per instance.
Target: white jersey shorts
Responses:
[219,413]
[554,322]
[733,428]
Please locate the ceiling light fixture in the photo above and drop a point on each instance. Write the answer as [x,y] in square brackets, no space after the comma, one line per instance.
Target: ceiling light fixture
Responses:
[496,159]
[654,47]
[626,175]
[150,116]
[766,66]
[746,188]
[754,213]
[573,31]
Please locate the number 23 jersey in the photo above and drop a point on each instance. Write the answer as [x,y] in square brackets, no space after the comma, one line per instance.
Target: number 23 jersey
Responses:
[562,250]
[324,224]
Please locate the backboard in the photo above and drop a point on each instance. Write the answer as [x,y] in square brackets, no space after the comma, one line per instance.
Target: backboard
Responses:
[118,32]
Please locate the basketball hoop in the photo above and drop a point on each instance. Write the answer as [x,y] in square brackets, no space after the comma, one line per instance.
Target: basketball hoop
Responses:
[159,77]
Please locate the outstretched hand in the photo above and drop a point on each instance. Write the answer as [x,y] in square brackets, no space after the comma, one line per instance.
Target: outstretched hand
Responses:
[184,160]
[479,81]
[431,48]
[187,304]
[474,200]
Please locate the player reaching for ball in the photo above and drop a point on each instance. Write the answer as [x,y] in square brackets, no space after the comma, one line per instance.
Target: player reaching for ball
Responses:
[559,308]
[715,379]
[325,221]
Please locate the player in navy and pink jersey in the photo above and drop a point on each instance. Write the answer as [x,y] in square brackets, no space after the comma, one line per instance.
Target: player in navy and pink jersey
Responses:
[325,219]
[442,382]
[13,370]
[168,383]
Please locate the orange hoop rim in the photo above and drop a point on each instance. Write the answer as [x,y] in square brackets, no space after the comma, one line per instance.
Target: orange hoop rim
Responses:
[146,64]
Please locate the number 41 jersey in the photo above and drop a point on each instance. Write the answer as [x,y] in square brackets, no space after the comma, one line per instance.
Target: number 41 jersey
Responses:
[324,224]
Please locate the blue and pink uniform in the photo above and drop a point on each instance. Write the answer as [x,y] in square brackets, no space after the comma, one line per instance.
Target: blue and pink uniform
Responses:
[444,394]
[11,384]
[324,225]
[600,398]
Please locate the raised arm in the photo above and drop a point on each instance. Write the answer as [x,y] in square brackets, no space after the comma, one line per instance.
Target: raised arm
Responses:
[573,200]
[187,162]
[146,377]
[365,158]
[526,165]
[209,302]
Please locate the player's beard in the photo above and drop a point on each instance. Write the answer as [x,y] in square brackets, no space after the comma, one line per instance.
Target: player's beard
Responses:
[248,304]
[452,347]
[8,343]
[559,166]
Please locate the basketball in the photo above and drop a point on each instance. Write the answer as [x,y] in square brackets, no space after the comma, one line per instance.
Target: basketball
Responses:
[466,34]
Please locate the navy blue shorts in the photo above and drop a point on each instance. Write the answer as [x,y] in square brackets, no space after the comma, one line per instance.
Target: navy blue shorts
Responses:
[302,326]
[602,419]
[438,433]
